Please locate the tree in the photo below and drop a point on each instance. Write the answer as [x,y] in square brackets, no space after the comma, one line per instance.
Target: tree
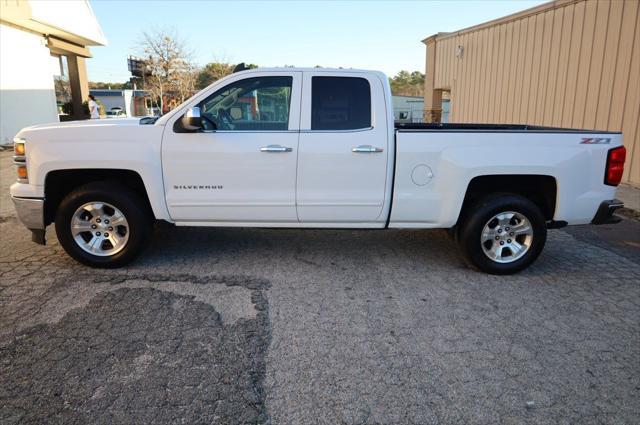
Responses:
[213,71]
[168,65]
[111,86]
[407,84]
[185,82]
[62,89]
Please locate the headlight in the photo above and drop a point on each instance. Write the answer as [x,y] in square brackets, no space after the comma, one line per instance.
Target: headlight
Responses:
[18,147]
[20,159]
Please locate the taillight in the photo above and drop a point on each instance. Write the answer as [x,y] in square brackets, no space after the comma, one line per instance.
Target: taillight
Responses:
[615,166]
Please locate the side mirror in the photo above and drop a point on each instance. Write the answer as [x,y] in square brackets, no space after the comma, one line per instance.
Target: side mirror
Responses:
[192,121]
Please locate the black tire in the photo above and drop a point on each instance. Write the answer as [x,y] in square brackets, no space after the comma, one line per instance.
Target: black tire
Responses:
[452,233]
[135,210]
[480,213]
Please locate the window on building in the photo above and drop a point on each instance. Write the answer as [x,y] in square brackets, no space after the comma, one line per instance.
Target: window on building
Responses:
[60,71]
[340,103]
[260,103]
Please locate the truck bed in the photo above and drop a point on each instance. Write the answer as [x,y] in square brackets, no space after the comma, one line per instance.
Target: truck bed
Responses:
[470,127]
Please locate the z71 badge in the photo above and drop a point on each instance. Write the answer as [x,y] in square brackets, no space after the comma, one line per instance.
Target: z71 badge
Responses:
[198,186]
[595,141]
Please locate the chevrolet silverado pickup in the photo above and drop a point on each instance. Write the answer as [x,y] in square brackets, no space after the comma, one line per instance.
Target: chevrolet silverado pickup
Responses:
[310,148]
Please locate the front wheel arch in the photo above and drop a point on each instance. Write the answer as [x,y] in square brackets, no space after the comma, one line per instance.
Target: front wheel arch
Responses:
[60,183]
[138,218]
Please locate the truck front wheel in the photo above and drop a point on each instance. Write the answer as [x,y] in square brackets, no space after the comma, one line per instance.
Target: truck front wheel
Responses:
[103,224]
[503,234]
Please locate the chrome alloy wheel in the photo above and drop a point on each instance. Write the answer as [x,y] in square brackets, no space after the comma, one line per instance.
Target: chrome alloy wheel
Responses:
[506,237]
[100,229]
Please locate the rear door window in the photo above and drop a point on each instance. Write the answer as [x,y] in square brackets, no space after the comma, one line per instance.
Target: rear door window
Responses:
[340,103]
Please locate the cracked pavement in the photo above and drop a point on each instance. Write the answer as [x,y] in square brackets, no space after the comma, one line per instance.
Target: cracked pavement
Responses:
[318,326]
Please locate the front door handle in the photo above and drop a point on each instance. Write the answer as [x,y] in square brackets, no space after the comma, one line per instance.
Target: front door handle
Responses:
[275,148]
[366,149]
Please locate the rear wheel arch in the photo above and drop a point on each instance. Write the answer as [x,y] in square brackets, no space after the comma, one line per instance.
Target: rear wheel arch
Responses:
[540,189]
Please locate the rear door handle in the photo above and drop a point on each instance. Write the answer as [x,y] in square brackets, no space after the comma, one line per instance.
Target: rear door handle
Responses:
[275,148]
[366,149]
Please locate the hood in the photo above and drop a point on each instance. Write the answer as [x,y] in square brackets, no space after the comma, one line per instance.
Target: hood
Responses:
[111,122]
[88,130]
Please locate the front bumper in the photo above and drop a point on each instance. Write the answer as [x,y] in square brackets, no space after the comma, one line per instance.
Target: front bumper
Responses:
[31,213]
[604,215]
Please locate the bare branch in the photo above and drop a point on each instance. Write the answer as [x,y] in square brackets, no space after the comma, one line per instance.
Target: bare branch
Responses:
[169,65]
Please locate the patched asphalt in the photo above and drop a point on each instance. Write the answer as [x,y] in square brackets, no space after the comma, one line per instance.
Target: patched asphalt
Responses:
[309,326]
[136,356]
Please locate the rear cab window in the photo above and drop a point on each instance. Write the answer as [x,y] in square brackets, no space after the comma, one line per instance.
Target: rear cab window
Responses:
[340,103]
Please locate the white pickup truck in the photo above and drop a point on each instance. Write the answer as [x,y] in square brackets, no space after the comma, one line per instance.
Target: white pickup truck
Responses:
[310,148]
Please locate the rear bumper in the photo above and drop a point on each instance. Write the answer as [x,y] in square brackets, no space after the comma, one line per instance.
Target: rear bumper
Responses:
[30,212]
[604,215]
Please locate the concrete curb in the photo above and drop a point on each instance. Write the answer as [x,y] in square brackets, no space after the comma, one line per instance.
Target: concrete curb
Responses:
[630,195]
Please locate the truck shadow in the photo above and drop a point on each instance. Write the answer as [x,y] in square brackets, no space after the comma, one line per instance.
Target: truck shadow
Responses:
[201,244]
[392,250]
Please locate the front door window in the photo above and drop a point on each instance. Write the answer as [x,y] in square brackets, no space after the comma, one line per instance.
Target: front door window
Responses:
[252,104]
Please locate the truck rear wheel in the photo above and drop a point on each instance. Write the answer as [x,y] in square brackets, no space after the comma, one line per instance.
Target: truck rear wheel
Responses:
[503,234]
[103,224]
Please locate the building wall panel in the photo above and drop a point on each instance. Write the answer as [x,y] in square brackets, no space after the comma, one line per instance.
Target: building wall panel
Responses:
[573,65]
[475,77]
[569,63]
[550,107]
[609,61]
[485,66]
[584,63]
[543,66]
[522,56]
[513,60]
[623,64]
[595,67]
[27,92]
[564,52]
[631,111]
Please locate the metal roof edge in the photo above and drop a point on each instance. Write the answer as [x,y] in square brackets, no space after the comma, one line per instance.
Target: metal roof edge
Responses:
[505,19]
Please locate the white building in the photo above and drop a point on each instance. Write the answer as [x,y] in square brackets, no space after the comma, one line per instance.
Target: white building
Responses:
[132,102]
[39,40]
[408,108]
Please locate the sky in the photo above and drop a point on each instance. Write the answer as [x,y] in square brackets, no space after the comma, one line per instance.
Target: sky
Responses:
[378,35]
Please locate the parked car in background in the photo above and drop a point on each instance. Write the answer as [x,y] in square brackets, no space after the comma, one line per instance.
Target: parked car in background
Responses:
[314,148]
[116,112]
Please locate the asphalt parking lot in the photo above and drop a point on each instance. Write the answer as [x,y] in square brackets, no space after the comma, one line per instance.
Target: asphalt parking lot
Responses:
[305,326]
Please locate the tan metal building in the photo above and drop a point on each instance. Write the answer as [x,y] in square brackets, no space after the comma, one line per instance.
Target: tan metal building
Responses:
[566,63]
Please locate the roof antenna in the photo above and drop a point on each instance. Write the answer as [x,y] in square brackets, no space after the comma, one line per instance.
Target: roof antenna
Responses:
[240,67]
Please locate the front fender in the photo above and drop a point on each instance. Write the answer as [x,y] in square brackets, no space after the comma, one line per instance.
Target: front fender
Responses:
[134,148]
